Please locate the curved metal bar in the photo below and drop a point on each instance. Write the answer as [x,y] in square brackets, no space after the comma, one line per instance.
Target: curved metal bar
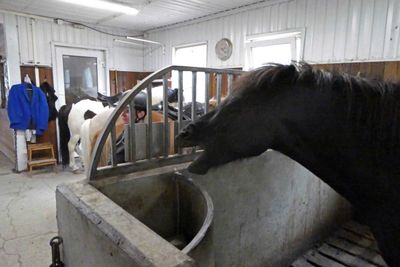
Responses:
[128,97]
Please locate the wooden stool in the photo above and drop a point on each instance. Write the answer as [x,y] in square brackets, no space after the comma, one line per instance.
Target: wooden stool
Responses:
[48,159]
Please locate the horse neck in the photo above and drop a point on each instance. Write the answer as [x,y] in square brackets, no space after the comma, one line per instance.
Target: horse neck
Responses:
[314,121]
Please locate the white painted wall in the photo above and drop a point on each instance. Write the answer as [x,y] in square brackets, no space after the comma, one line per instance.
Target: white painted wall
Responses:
[336,31]
[13,70]
[34,38]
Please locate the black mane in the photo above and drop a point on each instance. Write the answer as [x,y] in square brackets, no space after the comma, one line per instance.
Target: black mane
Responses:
[373,106]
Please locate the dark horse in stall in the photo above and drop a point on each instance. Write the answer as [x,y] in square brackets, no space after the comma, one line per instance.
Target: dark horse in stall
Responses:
[344,129]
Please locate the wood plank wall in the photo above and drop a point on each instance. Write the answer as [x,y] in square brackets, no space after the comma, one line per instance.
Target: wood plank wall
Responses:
[2,87]
[124,80]
[389,70]
[224,84]
[6,136]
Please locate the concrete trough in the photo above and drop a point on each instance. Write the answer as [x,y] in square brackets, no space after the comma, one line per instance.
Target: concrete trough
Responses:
[156,219]
[268,210]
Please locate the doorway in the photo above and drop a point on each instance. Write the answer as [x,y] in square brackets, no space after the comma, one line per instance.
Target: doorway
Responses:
[80,73]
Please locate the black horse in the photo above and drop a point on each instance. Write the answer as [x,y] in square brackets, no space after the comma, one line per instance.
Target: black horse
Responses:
[344,129]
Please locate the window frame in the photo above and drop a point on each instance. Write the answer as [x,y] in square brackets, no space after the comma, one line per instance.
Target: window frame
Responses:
[295,38]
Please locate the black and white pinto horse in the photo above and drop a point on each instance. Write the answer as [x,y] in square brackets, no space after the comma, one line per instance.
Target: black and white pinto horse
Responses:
[70,120]
[80,120]
[344,129]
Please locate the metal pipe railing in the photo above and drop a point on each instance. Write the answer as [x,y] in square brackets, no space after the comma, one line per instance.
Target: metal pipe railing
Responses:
[132,132]
[194,90]
[128,100]
[165,116]
[149,120]
[113,147]
[230,83]
[180,103]
[219,86]
[207,92]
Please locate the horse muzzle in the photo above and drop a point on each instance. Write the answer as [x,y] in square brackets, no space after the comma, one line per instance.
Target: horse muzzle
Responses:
[184,139]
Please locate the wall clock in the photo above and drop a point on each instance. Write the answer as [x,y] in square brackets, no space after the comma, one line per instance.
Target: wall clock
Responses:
[223,49]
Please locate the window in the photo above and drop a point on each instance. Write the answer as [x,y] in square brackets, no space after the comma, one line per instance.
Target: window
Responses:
[190,55]
[283,48]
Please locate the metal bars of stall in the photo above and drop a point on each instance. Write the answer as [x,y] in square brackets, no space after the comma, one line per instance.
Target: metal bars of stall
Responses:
[180,103]
[132,132]
[134,164]
[219,88]
[207,92]
[113,147]
[230,83]
[194,90]
[149,120]
[165,116]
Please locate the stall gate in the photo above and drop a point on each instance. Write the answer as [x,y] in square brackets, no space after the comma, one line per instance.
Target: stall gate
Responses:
[149,145]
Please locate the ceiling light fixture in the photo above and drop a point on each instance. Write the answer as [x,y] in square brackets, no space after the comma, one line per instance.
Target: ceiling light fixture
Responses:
[143,40]
[140,40]
[126,42]
[104,5]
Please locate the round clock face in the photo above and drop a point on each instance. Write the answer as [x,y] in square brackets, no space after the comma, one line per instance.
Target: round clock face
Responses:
[223,49]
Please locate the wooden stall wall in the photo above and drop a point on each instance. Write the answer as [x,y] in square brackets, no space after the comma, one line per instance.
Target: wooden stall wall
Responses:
[388,71]
[6,134]
[45,74]
[224,84]
[124,80]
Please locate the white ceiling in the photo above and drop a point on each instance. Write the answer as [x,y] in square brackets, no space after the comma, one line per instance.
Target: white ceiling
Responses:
[153,13]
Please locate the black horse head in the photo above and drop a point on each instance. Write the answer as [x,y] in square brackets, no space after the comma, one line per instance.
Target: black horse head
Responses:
[224,133]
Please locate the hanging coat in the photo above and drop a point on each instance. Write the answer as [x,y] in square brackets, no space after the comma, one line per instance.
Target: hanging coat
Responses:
[25,112]
[51,99]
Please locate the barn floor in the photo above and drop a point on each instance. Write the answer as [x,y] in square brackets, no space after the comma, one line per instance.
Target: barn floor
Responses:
[352,245]
[28,214]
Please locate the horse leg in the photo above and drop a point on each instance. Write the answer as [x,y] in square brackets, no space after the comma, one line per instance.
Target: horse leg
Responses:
[85,144]
[387,234]
[71,148]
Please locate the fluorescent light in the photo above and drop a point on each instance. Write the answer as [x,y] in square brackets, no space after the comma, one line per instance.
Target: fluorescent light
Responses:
[126,42]
[143,40]
[104,5]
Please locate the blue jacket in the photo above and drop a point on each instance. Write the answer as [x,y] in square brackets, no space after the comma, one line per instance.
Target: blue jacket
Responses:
[23,113]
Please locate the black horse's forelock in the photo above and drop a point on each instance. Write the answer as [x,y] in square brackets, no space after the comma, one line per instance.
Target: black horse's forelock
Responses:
[373,106]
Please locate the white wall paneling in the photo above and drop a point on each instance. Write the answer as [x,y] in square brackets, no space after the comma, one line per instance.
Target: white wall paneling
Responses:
[36,35]
[13,70]
[336,31]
